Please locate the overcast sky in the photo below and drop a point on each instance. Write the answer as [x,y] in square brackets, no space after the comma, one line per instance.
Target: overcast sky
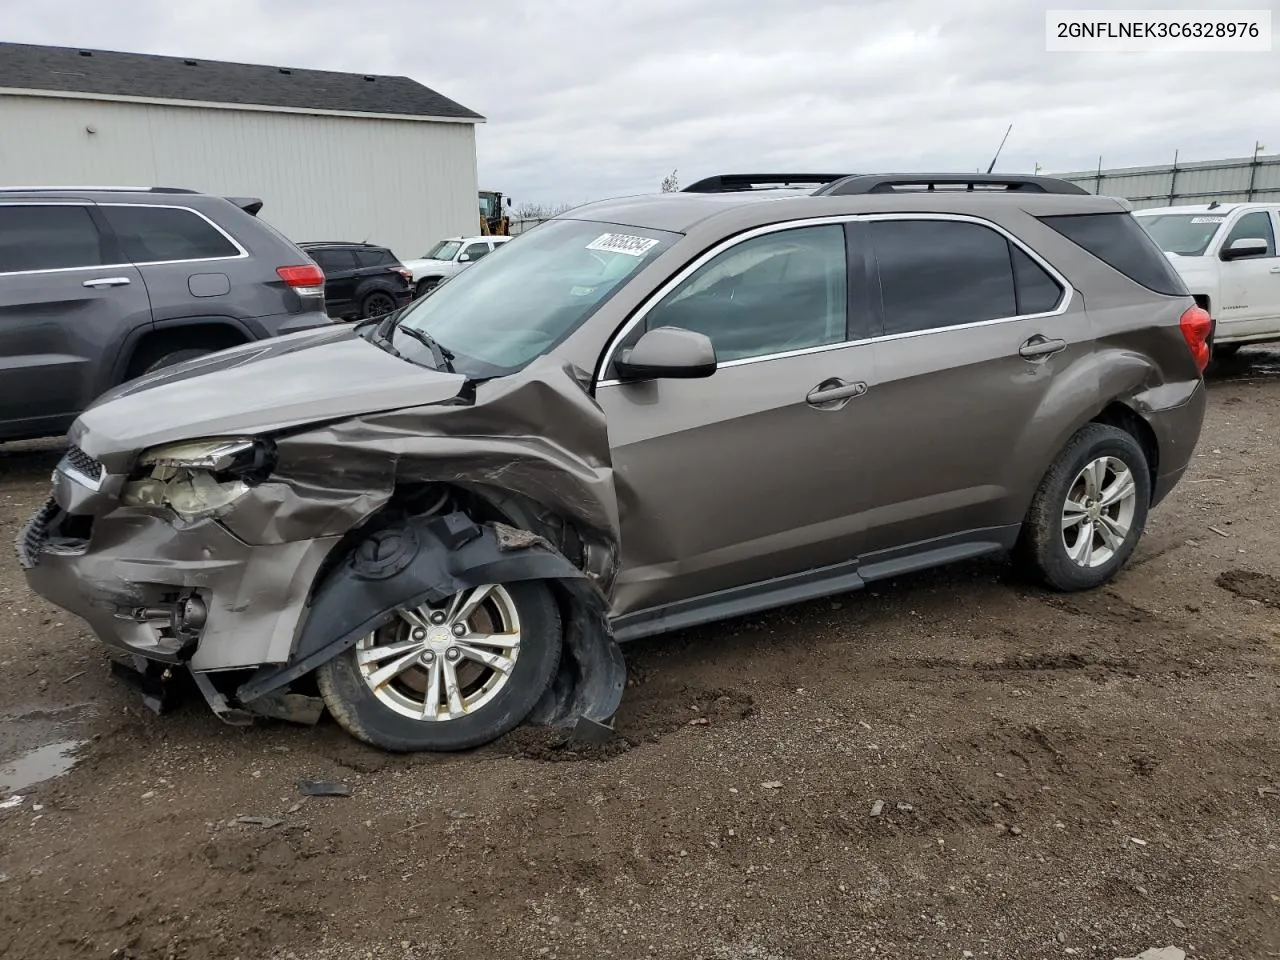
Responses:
[587,99]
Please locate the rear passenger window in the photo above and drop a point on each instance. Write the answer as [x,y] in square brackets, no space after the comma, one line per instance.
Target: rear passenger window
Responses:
[1118,241]
[374,258]
[772,294]
[47,238]
[333,261]
[941,273]
[1037,291]
[159,234]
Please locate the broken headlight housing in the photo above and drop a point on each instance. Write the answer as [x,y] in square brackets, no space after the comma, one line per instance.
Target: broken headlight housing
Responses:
[199,478]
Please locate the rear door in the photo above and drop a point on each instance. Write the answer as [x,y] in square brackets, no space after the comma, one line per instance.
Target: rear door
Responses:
[66,303]
[1250,301]
[755,472]
[186,260]
[975,331]
[339,266]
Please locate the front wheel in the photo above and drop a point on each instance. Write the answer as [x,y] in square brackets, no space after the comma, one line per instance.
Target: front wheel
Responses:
[448,676]
[1089,511]
[426,285]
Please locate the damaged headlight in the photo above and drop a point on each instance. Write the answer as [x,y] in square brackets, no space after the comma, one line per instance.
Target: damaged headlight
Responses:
[198,478]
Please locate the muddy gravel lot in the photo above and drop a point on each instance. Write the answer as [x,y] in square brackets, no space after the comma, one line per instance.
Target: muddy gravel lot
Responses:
[952,765]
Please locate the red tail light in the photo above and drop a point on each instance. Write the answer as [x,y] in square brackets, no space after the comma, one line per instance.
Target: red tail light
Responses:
[306,280]
[1196,326]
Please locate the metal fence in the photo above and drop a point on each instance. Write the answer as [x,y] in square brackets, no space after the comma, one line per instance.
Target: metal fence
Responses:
[1236,180]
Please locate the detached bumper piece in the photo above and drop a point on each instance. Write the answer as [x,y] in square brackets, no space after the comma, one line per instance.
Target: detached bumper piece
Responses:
[33,536]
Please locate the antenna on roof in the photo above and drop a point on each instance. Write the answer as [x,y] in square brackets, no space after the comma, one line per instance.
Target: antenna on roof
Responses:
[998,149]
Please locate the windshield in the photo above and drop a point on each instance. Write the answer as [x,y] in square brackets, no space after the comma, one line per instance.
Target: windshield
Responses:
[1186,234]
[444,250]
[504,312]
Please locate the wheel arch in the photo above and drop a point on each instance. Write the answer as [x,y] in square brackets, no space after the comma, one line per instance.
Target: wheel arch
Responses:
[144,340]
[496,539]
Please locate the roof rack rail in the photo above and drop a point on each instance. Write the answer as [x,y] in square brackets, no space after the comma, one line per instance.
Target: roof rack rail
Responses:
[734,182]
[96,189]
[971,182]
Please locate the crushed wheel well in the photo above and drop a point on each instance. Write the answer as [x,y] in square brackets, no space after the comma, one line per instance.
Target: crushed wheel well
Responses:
[154,345]
[1116,414]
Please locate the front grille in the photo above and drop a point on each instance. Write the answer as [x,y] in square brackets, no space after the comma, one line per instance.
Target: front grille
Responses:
[76,460]
[35,533]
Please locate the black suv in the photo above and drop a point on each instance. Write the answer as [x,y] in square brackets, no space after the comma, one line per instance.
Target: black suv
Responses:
[361,279]
[99,285]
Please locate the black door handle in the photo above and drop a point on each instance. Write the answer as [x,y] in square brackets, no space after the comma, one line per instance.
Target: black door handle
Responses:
[1040,346]
[831,392]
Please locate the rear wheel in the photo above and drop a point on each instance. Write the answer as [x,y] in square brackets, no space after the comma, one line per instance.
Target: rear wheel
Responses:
[1225,351]
[448,676]
[175,357]
[377,304]
[1089,511]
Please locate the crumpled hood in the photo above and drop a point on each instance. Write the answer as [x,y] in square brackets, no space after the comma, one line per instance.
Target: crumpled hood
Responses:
[308,377]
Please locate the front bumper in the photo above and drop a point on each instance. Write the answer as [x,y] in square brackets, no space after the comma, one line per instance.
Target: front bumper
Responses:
[131,575]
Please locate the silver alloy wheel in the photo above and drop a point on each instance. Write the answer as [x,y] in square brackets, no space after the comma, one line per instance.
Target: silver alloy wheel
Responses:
[1098,513]
[445,661]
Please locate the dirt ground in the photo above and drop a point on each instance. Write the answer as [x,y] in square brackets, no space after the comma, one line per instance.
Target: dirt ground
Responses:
[1088,775]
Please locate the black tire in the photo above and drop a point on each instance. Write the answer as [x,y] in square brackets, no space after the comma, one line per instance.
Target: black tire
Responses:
[426,285]
[174,357]
[1043,545]
[359,711]
[377,304]
[1225,351]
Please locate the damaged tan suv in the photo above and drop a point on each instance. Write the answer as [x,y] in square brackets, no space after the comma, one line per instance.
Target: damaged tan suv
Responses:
[648,413]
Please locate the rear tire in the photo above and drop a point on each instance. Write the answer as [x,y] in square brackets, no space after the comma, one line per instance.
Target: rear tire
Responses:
[1225,351]
[376,304]
[407,710]
[1090,510]
[175,357]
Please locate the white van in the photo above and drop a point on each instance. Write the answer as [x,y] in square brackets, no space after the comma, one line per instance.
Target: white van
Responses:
[1226,254]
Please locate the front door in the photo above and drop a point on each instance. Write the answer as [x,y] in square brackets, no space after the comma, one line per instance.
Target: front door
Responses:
[754,472]
[1250,298]
[975,333]
[66,305]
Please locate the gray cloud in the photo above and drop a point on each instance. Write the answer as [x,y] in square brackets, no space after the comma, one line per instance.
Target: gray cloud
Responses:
[586,100]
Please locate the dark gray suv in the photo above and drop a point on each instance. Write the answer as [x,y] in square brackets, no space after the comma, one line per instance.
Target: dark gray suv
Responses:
[99,285]
[646,414]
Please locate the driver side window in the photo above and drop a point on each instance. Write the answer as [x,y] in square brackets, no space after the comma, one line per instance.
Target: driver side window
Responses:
[1253,226]
[771,294]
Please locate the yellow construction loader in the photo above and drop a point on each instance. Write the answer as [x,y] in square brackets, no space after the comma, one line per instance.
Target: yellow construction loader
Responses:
[493,219]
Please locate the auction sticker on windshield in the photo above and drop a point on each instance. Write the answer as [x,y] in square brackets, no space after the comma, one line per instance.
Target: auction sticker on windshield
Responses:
[1208,219]
[622,243]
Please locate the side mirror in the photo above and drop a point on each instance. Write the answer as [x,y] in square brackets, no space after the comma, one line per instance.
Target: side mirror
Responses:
[1245,247]
[508,201]
[464,258]
[668,353]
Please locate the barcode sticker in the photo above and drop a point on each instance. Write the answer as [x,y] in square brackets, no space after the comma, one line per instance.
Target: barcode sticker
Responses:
[1208,219]
[622,243]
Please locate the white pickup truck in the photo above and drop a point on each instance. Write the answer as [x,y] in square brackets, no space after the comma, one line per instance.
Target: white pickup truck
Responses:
[448,257]
[1226,255]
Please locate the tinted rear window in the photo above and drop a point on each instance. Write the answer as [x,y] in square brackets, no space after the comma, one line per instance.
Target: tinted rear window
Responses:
[157,234]
[47,238]
[333,261]
[941,273]
[374,258]
[1118,241]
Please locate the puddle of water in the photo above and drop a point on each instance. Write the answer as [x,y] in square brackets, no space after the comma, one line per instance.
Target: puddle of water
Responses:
[38,765]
